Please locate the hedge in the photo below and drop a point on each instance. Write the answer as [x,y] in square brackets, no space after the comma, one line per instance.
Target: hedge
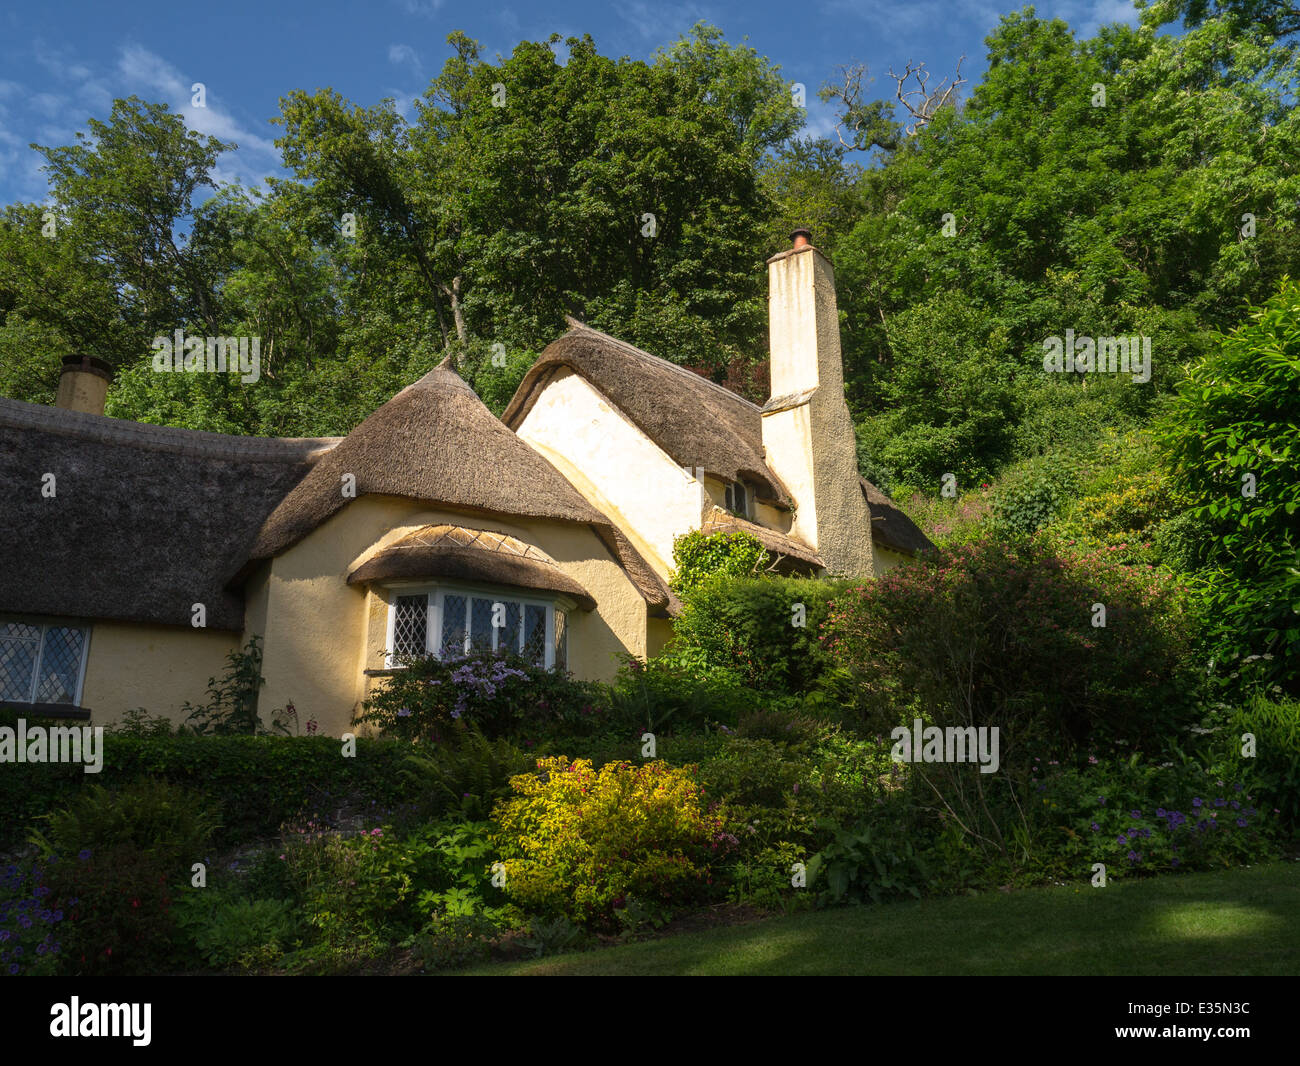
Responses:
[259,781]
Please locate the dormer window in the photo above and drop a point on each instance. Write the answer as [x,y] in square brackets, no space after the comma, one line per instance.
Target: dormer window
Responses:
[737,498]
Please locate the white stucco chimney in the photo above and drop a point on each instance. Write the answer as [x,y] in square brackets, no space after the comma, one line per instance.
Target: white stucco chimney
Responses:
[807,432]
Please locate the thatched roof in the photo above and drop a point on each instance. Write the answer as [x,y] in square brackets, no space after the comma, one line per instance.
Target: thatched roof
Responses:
[437,443]
[890,526]
[698,423]
[145,521]
[796,556]
[472,555]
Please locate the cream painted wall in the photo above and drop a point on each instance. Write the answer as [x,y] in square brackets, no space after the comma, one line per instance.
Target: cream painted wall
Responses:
[616,466]
[324,633]
[155,667]
[887,559]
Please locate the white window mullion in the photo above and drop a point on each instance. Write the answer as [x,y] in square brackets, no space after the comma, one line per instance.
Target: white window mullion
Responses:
[433,624]
[40,662]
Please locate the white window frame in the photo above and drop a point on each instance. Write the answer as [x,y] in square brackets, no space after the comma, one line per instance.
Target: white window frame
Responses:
[729,489]
[434,614]
[44,625]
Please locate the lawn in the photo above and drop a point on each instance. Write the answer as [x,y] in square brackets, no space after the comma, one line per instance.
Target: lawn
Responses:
[1232,922]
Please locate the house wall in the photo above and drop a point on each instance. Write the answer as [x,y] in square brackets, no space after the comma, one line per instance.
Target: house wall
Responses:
[887,558]
[614,465]
[158,668]
[323,633]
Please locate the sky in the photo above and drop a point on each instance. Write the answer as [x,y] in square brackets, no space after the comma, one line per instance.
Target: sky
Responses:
[63,63]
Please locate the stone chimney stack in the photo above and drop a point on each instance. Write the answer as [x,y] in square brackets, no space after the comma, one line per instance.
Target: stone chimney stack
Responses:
[83,384]
[807,432]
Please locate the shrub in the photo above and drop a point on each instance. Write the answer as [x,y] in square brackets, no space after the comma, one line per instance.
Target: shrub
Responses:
[996,634]
[661,695]
[255,782]
[1031,496]
[748,631]
[115,860]
[879,860]
[499,695]
[1232,438]
[697,558]
[580,842]
[245,934]
[1138,817]
[32,926]
[1274,771]
[466,777]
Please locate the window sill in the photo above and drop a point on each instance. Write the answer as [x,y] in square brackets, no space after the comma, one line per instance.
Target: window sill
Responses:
[49,710]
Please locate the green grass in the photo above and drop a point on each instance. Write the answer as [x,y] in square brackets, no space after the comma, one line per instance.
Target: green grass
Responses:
[1232,922]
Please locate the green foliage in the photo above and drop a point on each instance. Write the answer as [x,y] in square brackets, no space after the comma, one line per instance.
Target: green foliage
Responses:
[239,933]
[998,634]
[1033,495]
[663,695]
[453,941]
[580,842]
[465,777]
[763,635]
[233,705]
[256,783]
[115,861]
[698,558]
[880,860]
[1233,440]
[1274,772]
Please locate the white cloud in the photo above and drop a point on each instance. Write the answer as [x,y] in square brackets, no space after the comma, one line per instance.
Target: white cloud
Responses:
[404,55]
[256,157]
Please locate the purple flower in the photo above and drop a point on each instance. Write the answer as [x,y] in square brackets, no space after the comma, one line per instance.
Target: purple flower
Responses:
[1135,814]
[405,712]
[1196,801]
[1101,800]
[1121,839]
[1241,823]
[1095,827]
[1160,812]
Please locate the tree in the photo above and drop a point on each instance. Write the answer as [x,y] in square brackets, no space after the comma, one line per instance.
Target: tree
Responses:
[1233,442]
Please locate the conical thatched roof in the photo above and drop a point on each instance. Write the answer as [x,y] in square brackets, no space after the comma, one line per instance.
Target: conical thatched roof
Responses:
[145,520]
[472,555]
[698,423]
[436,442]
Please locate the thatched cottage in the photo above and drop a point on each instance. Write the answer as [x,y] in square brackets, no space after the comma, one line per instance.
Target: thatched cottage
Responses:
[135,558]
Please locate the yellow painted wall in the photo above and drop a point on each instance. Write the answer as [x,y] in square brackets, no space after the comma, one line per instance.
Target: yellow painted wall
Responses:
[324,633]
[155,667]
[887,559]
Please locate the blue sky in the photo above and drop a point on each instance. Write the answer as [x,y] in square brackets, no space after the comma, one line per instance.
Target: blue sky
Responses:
[61,63]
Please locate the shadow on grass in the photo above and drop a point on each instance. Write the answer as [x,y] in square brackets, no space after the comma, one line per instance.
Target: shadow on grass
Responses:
[1232,922]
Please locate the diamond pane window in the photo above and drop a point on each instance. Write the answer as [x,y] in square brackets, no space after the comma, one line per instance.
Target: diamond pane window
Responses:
[453,627]
[535,634]
[41,663]
[56,681]
[480,625]
[410,627]
[561,641]
[509,635]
